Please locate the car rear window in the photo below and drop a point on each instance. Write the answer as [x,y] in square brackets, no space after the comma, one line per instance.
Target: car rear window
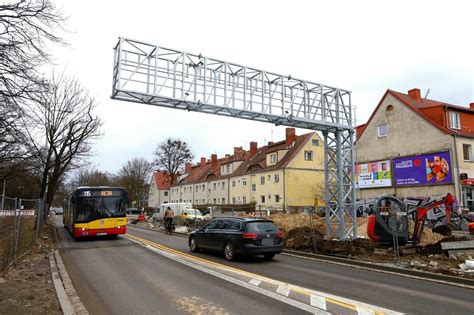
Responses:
[260,227]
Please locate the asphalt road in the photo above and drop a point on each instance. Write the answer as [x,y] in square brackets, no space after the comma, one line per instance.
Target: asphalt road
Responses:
[117,276]
[122,277]
[407,295]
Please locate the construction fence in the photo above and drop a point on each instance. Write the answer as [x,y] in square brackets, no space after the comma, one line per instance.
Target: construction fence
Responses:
[21,221]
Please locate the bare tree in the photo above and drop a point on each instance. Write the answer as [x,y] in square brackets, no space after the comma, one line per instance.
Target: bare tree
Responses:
[171,155]
[134,177]
[91,176]
[61,127]
[26,28]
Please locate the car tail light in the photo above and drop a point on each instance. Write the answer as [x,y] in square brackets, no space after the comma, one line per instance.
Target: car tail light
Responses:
[249,235]
[280,234]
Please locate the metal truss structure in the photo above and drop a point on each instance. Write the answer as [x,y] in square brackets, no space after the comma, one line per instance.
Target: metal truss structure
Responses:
[154,75]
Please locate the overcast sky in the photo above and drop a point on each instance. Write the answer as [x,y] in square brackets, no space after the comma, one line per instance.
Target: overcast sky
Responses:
[362,46]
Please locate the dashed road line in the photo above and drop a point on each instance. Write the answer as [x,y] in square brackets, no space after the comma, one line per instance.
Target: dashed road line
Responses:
[283,290]
[255,282]
[318,301]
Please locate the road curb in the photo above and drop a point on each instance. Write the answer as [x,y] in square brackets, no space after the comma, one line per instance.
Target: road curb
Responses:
[66,306]
[67,295]
[403,272]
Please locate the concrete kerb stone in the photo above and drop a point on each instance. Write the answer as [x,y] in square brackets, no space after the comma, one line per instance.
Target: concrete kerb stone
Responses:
[76,306]
[66,306]
[67,296]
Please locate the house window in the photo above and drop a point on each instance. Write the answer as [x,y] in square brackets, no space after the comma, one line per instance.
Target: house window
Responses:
[262,199]
[244,199]
[223,200]
[308,155]
[262,180]
[269,177]
[382,130]
[227,168]
[254,187]
[244,182]
[454,120]
[277,198]
[273,158]
[467,152]
[390,108]
[233,183]
[165,194]
[315,143]
[215,186]
[233,199]
[223,185]
[214,200]
[277,178]
[197,188]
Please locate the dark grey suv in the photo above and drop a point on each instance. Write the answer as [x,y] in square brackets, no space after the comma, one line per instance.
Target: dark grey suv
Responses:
[234,236]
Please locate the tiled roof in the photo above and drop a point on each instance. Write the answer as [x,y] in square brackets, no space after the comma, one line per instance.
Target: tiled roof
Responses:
[162,180]
[419,107]
[204,173]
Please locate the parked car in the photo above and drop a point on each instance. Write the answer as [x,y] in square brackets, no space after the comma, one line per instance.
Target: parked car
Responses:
[57,210]
[133,211]
[238,236]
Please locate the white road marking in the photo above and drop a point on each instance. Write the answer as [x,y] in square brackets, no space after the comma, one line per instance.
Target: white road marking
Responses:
[364,311]
[255,282]
[318,301]
[283,290]
[283,299]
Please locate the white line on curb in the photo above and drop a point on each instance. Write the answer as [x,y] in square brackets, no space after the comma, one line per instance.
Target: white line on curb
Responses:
[318,301]
[283,290]
[255,282]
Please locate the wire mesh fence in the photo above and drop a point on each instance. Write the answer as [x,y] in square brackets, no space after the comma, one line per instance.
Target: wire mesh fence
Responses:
[21,221]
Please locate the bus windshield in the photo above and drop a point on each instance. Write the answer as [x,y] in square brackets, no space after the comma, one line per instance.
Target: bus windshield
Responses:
[94,208]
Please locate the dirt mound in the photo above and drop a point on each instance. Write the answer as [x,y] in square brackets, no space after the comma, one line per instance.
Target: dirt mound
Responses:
[301,238]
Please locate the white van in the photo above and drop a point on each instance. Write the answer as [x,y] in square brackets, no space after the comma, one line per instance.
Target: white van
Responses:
[177,207]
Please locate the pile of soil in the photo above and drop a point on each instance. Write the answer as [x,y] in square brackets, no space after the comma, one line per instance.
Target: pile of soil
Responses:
[27,287]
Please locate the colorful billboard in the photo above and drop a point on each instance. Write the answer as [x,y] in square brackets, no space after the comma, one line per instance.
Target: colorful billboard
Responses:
[425,169]
[373,174]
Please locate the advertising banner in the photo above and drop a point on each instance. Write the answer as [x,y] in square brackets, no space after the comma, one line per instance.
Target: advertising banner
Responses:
[373,174]
[423,169]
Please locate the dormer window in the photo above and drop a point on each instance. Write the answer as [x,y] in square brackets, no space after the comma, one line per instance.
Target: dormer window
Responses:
[273,158]
[454,120]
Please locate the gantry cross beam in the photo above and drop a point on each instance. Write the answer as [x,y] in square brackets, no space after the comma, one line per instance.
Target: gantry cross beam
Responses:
[155,75]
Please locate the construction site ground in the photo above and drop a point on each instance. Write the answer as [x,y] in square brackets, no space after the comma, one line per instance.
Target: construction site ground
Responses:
[426,256]
[27,287]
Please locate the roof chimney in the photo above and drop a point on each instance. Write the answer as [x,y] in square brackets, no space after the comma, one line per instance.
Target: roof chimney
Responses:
[471,106]
[203,162]
[187,167]
[270,143]
[238,153]
[290,136]
[214,160]
[415,94]
[253,148]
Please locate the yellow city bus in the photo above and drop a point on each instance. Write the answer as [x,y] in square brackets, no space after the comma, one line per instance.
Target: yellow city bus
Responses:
[95,211]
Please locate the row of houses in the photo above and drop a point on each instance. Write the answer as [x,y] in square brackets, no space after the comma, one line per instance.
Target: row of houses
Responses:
[281,175]
[410,147]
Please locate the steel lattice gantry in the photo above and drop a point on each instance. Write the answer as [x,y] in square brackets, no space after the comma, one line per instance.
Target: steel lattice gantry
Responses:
[154,75]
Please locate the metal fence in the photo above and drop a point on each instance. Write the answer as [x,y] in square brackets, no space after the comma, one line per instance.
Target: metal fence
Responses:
[21,221]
